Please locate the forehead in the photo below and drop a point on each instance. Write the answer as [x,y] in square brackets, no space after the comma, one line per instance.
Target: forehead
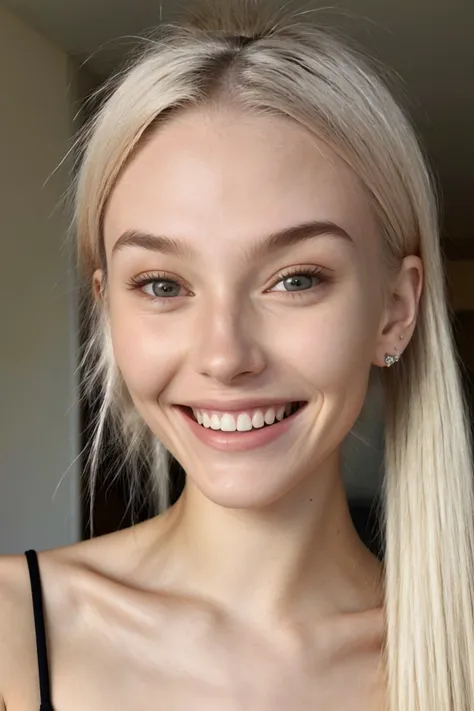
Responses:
[216,174]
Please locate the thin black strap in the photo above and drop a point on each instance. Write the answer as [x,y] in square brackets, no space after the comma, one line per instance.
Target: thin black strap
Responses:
[40,630]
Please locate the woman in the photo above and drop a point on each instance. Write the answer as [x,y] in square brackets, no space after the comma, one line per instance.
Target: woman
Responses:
[258,226]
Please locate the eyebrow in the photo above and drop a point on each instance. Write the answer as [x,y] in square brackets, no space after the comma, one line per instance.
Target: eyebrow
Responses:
[286,237]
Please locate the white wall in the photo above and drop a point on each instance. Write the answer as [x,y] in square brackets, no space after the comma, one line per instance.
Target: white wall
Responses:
[38,409]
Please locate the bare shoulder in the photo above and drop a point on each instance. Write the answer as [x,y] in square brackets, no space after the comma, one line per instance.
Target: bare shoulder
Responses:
[15,619]
[81,584]
[18,659]
[62,571]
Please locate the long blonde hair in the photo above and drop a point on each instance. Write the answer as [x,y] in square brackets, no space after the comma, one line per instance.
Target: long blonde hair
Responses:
[296,70]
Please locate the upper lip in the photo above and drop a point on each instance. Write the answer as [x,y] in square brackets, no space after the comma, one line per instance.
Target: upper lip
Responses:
[237,405]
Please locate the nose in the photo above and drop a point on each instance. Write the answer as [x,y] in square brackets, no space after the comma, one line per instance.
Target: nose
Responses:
[227,346]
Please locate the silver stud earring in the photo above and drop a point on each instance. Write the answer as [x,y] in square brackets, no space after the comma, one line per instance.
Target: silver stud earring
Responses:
[391,359]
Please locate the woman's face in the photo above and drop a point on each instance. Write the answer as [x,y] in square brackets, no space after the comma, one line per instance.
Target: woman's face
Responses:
[244,273]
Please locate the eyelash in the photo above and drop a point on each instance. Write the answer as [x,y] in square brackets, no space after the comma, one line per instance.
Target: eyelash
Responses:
[138,282]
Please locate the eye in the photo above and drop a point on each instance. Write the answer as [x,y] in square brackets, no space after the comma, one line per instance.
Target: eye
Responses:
[158,287]
[162,288]
[298,280]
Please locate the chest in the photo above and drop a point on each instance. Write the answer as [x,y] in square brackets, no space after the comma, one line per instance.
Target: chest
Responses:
[121,657]
[125,671]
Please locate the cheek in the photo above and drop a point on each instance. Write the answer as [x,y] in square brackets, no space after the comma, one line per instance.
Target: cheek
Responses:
[333,342]
[144,353]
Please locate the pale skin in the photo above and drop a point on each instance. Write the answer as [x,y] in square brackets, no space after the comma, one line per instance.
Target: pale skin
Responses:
[254,591]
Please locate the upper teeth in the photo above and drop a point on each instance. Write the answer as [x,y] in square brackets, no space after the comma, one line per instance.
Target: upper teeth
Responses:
[242,421]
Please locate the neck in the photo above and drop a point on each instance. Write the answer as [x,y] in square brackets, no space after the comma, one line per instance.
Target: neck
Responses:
[297,557]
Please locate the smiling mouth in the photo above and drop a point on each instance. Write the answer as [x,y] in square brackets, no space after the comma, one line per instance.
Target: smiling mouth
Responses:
[258,418]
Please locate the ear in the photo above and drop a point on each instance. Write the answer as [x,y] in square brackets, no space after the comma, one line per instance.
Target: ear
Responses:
[98,285]
[401,311]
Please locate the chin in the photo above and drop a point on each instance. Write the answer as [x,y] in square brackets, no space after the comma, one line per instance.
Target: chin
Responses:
[246,487]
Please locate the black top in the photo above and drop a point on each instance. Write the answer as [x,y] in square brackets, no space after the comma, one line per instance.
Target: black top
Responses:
[40,630]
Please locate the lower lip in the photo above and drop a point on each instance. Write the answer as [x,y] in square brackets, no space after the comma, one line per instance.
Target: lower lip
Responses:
[239,441]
